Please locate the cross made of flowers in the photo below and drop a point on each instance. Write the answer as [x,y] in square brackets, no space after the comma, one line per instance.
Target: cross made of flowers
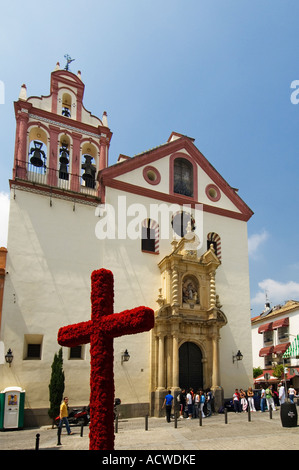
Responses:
[100,331]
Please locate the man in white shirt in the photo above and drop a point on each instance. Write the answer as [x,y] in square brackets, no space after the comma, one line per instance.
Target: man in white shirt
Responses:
[281,394]
[189,404]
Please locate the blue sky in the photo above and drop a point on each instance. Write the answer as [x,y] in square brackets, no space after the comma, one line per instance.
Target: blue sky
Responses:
[219,71]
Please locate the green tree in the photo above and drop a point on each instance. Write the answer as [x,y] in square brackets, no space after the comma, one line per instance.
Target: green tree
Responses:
[56,385]
[278,371]
[257,371]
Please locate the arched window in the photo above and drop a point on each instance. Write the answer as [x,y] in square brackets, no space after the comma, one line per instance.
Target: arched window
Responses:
[66,104]
[89,165]
[64,157]
[214,238]
[37,155]
[150,236]
[183,177]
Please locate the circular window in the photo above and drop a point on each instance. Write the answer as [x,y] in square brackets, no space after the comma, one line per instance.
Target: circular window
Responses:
[213,192]
[151,175]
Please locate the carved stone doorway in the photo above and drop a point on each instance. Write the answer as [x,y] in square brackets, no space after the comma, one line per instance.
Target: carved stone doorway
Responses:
[186,335]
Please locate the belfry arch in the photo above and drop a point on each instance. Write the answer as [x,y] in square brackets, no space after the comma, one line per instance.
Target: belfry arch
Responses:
[189,319]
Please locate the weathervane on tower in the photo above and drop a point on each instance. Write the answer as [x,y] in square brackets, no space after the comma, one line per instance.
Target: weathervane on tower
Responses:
[68,61]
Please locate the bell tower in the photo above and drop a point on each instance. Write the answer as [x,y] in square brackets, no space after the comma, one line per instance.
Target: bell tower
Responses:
[60,146]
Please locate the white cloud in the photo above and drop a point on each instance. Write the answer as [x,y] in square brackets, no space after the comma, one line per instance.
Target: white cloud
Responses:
[255,241]
[277,292]
[4,211]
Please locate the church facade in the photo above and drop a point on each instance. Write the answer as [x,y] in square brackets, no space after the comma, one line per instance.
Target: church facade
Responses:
[169,227]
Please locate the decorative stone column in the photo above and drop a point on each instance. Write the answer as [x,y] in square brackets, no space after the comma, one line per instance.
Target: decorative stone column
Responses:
[161,374]
[175,287]
[20,169]
[169,361]
[160,391]
[216,389]
[212,290]
[175,361]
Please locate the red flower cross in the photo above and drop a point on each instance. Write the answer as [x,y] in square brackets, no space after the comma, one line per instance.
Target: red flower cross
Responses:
[100,331]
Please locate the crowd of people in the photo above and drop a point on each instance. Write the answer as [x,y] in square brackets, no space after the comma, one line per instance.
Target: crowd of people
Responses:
[269,398]
[201,403]
[191,404]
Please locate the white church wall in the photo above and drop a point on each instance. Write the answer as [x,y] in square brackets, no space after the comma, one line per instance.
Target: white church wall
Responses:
[47,286]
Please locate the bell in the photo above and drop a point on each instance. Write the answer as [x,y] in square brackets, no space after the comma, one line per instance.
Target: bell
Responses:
[63,173]
[64,154]
[66,112]
[89,174]
[38,153]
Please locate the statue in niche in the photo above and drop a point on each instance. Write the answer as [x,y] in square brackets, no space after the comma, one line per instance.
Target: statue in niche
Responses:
[190,292]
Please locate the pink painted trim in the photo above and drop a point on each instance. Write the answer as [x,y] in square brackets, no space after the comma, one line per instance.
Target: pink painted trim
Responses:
[149,168]
[215,238]
[154,225]
[150,252]
[218,193]
[61,120]
[198,158]
[47,191]
[172,199]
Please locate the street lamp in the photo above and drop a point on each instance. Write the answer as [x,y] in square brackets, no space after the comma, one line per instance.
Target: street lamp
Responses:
[238,356]
[9,357]
[125,356]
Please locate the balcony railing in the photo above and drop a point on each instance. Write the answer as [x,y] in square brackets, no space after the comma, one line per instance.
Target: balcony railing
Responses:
[55,178]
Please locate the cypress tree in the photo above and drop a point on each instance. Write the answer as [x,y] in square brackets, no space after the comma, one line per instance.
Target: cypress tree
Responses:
[56,385]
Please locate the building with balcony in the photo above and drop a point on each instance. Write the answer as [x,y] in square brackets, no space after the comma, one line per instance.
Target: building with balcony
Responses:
[273,331]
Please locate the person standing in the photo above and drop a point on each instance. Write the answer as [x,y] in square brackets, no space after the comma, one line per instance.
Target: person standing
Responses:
[168,405]
[202,402]
[236,401]
[292,393]
[250,395]
[263,399]
[281,394]
[182,402]
[243,400]
[269,398]
[189,404]
[63,415]
[209,399]
[196,404]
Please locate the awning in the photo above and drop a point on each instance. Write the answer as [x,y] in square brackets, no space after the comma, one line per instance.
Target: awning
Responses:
[280,323]
[281,348]
[266,351]
[266,377]
[265,327]
[293,349]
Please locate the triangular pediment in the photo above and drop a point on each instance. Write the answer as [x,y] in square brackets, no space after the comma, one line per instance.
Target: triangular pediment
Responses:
[151,174]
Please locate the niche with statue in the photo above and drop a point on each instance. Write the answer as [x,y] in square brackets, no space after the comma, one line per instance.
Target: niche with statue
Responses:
[190,290]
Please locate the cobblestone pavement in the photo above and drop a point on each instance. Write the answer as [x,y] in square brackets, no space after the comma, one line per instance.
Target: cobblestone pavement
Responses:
[261,433]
